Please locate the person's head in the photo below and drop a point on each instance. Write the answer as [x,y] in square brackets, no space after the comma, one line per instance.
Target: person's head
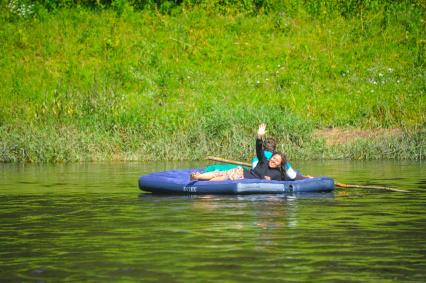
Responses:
[270,144]
[277,160]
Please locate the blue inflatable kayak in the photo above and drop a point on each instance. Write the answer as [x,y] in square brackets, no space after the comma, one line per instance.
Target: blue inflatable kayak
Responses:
[179,182]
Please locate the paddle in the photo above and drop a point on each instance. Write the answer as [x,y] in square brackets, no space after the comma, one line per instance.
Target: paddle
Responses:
[339,185]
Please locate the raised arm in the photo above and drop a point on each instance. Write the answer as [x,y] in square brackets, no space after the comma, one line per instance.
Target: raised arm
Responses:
[261,131]
[259,141]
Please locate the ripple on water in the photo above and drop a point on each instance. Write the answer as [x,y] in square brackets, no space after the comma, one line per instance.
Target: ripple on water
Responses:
[91,223]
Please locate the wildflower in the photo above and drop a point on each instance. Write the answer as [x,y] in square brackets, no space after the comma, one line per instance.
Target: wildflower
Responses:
[372,81]
[21,9]
[344,73]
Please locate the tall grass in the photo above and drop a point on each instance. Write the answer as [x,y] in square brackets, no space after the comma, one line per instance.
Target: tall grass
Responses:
[144,80]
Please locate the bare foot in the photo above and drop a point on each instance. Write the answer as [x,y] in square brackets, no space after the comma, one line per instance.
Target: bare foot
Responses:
[195,175]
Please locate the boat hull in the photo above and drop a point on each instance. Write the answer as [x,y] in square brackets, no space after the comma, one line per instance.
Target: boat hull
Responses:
[179,182]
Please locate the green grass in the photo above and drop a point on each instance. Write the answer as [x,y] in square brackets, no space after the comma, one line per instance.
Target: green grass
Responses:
[96,84]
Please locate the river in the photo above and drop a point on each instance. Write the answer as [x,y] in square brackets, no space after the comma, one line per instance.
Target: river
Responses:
[90,222]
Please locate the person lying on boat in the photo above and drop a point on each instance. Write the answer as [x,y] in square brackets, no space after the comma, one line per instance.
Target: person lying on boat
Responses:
[290,174]
[265,169]
[269,146]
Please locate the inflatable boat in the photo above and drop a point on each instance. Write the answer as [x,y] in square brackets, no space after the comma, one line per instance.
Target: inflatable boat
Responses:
[179,182]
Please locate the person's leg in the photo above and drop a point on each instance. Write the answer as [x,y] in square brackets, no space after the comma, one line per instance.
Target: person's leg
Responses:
[219,178]
[203,176]
[232,174]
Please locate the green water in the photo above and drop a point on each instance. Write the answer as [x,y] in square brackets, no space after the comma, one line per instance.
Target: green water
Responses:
[90,222]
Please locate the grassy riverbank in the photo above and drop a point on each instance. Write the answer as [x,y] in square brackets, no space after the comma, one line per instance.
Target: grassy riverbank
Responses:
[80,83]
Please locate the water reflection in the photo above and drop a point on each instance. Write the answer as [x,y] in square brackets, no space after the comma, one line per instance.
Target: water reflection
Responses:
[243,198]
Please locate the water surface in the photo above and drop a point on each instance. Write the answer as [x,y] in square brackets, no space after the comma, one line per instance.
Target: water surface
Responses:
[90,222]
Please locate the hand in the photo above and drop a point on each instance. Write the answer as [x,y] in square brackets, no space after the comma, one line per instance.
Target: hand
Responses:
[267,178]
[262,130]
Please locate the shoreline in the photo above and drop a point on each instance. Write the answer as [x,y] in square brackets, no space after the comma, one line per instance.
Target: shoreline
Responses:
[73,146]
